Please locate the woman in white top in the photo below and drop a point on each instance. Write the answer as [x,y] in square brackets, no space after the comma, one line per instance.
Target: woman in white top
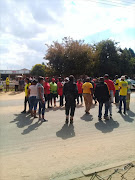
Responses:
[32,97]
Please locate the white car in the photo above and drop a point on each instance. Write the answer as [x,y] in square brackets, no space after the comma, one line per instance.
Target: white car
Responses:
[132,84]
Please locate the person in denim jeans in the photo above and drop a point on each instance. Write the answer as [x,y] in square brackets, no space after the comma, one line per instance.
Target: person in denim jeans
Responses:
[32,97]
[123,93]
[102,95]
[41,98]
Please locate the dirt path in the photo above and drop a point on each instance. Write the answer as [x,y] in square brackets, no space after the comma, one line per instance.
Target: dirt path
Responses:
[31,150]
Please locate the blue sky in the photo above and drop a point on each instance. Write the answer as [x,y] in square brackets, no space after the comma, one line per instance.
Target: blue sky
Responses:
[26,26]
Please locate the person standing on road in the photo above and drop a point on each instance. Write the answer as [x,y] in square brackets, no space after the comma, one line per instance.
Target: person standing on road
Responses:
[33,98]
[102,94]
[116,84]
[79,86]
[47,91]
[60,91]
[26,100]
[70,91]
[128,92]
[87,94]
[111,87]
[41,98]
[53,90]
[7,84]
[123,85]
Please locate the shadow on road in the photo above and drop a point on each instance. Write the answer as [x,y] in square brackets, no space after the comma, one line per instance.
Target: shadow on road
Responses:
[107,125]
[22,120]
[31,128]
[15,93]
[87,117]
[67,131]
[129,117]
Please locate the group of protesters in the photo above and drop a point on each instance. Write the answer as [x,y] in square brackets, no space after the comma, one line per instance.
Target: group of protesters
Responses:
[44,92]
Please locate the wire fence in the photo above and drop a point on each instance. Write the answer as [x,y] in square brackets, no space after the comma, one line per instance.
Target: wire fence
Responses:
[127,172]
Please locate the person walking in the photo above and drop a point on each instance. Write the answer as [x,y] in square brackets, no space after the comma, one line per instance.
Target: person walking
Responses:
[102,95]
[41,99]
[53,90]
[47,91]
[60,91]
[26,100]
[123,86]
[87,94]
[111,87]
[70,91]
[79,86]
[128,92]
[16,84]
[116,84]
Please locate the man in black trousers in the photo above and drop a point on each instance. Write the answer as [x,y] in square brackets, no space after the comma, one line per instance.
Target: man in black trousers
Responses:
[70,91]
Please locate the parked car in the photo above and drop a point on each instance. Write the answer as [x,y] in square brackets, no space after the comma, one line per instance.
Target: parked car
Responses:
[132,84]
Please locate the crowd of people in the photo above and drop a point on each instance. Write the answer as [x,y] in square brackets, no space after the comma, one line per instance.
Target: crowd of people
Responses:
[42,92]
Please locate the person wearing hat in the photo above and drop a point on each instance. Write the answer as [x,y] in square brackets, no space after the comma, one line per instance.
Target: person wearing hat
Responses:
[102,94]
[123,86]
[87,94]
[111,87]
[32,91]
[53,90]
[47,91]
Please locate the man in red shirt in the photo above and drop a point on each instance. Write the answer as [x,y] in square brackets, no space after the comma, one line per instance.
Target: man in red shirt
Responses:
[79,86]
[111,88]
[47,90]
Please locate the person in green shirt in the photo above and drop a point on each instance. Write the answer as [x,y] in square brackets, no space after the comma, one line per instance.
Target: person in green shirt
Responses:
[128,92]
[53,91]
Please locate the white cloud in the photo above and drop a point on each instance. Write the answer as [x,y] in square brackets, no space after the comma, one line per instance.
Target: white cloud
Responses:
[26,26]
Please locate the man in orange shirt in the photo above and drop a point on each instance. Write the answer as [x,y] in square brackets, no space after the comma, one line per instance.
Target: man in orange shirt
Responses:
[87,94]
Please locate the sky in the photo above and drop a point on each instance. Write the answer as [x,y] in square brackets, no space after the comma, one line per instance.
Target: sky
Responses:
[27,25]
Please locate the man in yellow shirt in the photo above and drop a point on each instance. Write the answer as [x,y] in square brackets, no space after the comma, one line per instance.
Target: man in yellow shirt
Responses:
[123,86]
[87,94]
[116,84]
[26,95]
[7,84]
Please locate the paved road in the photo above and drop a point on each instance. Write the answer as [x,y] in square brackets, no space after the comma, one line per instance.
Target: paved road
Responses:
[32,150]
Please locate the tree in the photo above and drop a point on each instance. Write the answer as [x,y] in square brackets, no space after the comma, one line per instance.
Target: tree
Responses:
[38,70]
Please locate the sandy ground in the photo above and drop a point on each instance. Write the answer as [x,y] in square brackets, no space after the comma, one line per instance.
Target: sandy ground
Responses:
[39,151]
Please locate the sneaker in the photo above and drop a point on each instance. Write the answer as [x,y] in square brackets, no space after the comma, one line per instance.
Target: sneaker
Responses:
[66,122]
[106,117]
[110,116]
[87,112]
[124,112]
[23,111]
[119,112]
[100,119]
[43,120]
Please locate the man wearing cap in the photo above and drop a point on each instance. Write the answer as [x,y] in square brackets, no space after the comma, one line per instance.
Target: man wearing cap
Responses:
[102,94]
[111,87]
[123,86]
[47,91]
[53,90]
[87,94]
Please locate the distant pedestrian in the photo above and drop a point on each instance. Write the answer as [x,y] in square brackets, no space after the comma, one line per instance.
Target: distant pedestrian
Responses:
[41,98]
[111,87]
[87,94]
[47,91]
[128,92]
[53,90]
[16,84]
[60,90]
[79,86]
[102,95]
[70,91]
[26,100]
[123,85]
[116,84]
[7,84]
